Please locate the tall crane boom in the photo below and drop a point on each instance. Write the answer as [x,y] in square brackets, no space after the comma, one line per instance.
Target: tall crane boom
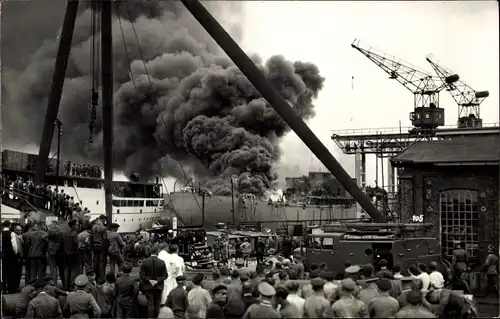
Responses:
[467,99]
[426,114]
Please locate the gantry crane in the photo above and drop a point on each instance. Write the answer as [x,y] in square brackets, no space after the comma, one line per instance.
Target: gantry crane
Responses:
[467,99]
[425,88]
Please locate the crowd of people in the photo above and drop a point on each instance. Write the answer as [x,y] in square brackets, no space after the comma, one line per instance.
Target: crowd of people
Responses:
[81,170]
[78,257]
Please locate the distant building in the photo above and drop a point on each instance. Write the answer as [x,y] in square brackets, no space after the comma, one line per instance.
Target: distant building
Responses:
[454,185]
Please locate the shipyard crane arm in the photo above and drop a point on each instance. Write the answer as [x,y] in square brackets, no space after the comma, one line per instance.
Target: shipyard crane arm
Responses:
[415,80]
[462,93]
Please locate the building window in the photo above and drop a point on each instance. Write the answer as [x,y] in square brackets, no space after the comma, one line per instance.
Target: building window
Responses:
[459,220]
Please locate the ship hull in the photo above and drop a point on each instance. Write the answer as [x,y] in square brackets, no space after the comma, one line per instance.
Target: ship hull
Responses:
[188,208]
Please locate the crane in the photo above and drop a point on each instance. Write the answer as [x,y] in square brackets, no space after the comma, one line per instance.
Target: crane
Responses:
[467,99]
[424,86]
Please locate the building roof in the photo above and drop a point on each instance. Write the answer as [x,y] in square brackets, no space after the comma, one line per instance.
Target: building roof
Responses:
[458,150]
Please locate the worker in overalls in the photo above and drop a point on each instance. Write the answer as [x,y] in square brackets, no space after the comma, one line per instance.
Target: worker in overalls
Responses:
[460,264]
[80,303]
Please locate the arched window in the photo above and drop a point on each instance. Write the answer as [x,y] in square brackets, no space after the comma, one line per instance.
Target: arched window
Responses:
[459,220]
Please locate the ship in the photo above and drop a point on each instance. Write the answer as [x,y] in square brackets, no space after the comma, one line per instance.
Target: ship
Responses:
[302,201]
[136,205]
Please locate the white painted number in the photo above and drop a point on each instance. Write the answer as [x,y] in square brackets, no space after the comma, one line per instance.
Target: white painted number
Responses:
[418,218]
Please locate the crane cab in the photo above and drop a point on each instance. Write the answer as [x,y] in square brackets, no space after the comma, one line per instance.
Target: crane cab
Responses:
[427,117]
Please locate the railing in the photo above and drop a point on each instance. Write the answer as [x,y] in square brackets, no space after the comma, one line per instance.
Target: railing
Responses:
[398,130]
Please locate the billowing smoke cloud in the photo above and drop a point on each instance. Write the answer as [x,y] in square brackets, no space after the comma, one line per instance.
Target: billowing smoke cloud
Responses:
[177,98]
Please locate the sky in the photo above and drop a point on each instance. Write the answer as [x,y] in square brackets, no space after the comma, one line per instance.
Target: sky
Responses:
[462,35]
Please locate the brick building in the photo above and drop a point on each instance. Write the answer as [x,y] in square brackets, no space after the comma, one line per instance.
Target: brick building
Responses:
[454,185]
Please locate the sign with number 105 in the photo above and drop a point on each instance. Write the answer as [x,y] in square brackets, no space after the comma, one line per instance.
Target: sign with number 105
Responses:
[418,218]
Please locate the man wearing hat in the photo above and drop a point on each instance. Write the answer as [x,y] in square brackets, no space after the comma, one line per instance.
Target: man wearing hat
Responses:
[99,240]
[383,305]
[265,308]
[177,299]
[215,309]
[79,303]
[115,247]
[353,272]
[348,306]
[491,269]
[316,305]
[384,272]
[460,258]
[414,309]
[70,251]
[411,284]
[24,298]
[43,305]
[370,291]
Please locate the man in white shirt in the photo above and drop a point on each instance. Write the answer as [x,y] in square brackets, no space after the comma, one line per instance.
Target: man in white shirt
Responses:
[175,268]
[436,279]
[294,298]
[165,256]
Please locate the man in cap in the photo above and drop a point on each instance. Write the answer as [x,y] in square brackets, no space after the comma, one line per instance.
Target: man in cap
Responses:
[55,256]
[491,269]
[383,305]
[25,297]
[352,272]
[460,259]
[152,274]
[316,305]
[126,290]
[348,306]
[199,297]
[99,242]
[106,296]
[246,249]
[414,309]
[265,308]
[177,299]
[116,246]
[92,285]
[70,250]
[80,303]
[307,289]
[370,291]
[51,289]
[215,309]
[43,305]
[411,284]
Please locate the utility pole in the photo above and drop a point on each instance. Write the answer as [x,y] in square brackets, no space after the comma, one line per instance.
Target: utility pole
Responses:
[203,193]
[232,200]
[58,125]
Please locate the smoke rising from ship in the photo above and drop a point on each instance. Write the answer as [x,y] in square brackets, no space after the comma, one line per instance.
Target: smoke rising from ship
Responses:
[177,98]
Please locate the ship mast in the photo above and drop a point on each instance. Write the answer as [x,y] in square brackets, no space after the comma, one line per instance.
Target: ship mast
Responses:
[107,94]
[107,103]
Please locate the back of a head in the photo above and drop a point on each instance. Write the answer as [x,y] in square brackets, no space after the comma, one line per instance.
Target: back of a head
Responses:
[414,269]
[368,271]
[153,250]
[313,267]
[384,285]
[416,285]
[422,267]
[247,288]
[314,274]
[292,286]
[126,268]
[414,297]
[174,249]
[215,275]
[166,313]
[282,275]
[110,277]
[281,293]
[235,274]
[396,268]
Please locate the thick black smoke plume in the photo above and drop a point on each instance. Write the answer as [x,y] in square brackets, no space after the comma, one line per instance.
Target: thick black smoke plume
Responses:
[177,98]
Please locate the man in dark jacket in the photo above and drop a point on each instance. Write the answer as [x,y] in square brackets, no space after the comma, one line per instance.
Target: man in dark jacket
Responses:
[8,256]
[152,274]
[177,299]
[55,256]
[99,242]
[35,246]
[71,262]
[215,309]
[126,291]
